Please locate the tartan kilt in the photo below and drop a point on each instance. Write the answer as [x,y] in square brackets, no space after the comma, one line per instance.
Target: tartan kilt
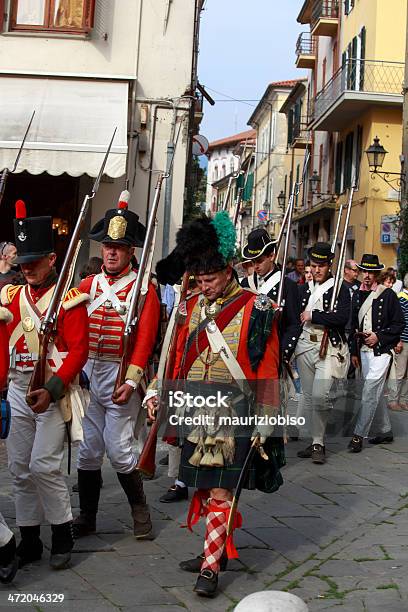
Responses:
[216,477]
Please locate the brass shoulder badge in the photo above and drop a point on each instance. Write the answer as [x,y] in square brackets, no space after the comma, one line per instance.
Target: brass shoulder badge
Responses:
[117,228]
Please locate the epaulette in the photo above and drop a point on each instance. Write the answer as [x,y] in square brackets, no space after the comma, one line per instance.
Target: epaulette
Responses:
[8,293]
[73,298]
[5,315]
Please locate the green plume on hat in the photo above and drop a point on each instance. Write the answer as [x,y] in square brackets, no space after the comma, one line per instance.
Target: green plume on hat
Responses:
[226,235]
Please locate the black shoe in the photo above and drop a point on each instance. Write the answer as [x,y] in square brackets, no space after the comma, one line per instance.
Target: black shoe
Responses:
[384,438]
[8,561]
[356,444]
[207,583]
[318,454]
[175,493]
[30,548]
[62,542]
[194,565]
[84,525]
[164,460]
[305,453]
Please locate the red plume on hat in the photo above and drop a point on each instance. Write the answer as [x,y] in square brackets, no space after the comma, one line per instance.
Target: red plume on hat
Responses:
[124,199]
[21,212]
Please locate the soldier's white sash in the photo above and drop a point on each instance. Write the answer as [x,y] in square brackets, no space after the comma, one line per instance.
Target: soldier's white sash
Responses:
[318,292]
[270,283]
[368,304]
[109,293]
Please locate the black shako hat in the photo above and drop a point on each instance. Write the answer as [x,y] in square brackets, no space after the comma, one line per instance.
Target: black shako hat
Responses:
[120,225]
[259,243]
[321,253]
[33,235]
[370,263]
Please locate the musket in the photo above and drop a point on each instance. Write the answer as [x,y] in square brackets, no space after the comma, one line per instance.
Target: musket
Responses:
[147,459]
[339,273]
[7,171]
[291,206]
[138,297]
[336,233]
[49,321]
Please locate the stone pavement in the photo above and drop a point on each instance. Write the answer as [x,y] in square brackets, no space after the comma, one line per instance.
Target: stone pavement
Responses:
[336,535]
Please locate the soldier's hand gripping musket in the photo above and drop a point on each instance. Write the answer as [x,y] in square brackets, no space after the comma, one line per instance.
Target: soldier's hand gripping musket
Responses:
[48,323]
[7,171]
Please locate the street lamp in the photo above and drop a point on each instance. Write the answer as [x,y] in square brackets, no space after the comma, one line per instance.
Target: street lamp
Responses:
[376,155]
[281,200]
[314,182]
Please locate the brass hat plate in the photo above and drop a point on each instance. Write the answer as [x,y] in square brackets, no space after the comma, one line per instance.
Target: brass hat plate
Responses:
[117,228]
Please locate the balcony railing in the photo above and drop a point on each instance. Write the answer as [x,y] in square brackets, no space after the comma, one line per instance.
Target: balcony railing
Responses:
[306,44]
[300,131]
[360,76]
[325,9]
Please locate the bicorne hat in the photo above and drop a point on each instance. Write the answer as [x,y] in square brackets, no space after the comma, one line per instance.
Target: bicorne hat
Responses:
[203,246]
[120,225]
[370,263]
[259,243]
[33,235]
[321,253]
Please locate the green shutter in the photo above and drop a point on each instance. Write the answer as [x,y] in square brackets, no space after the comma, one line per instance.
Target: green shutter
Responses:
[346,7]
[247,193]
[348,159]
[339,162]
[353,64]
[363,34]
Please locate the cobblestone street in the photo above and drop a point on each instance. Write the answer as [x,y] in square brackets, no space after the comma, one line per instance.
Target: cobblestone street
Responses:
[336,535]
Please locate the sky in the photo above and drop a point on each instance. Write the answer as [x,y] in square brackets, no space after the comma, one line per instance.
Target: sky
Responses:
[244,45]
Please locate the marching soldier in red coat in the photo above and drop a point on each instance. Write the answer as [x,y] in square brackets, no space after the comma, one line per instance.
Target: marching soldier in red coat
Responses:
[8,556]
[110,419]
[35,444]
[228,345]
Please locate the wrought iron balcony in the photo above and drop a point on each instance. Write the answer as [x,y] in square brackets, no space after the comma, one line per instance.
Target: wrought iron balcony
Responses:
[325,17]
[300,134]
[355,87]
[305,50]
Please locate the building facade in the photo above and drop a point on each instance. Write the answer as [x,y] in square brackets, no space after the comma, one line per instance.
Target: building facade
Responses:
[271,150]
[87,67]
[354,96]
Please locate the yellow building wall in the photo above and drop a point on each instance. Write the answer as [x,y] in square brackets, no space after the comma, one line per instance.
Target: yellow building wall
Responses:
[374,197]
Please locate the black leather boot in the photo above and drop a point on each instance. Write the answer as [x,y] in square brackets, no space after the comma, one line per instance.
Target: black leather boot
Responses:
[194,565]
[8,561]
[62,542]
[132,485]
[30,548]
[89,488]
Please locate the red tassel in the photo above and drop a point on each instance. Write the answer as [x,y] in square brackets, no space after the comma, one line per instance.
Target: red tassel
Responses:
[21,212]
[197,508]
[124,199]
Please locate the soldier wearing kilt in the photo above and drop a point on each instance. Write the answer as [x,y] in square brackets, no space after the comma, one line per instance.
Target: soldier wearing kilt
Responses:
[228,344]
[317,372]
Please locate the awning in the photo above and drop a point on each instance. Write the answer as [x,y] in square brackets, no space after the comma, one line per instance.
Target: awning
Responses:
[73,124]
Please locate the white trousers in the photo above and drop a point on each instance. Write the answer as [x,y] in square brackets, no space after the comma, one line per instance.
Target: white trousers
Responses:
[35,448]
[373,410]
[398,388]
[5,533]
[315,376]
[107,427]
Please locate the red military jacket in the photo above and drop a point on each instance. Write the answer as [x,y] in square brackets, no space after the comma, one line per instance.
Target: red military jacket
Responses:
[267,372]
[106,325]
[5,317]
[71,334]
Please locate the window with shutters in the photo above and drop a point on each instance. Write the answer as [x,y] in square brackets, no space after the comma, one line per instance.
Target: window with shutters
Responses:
[68,16]
[348,6]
